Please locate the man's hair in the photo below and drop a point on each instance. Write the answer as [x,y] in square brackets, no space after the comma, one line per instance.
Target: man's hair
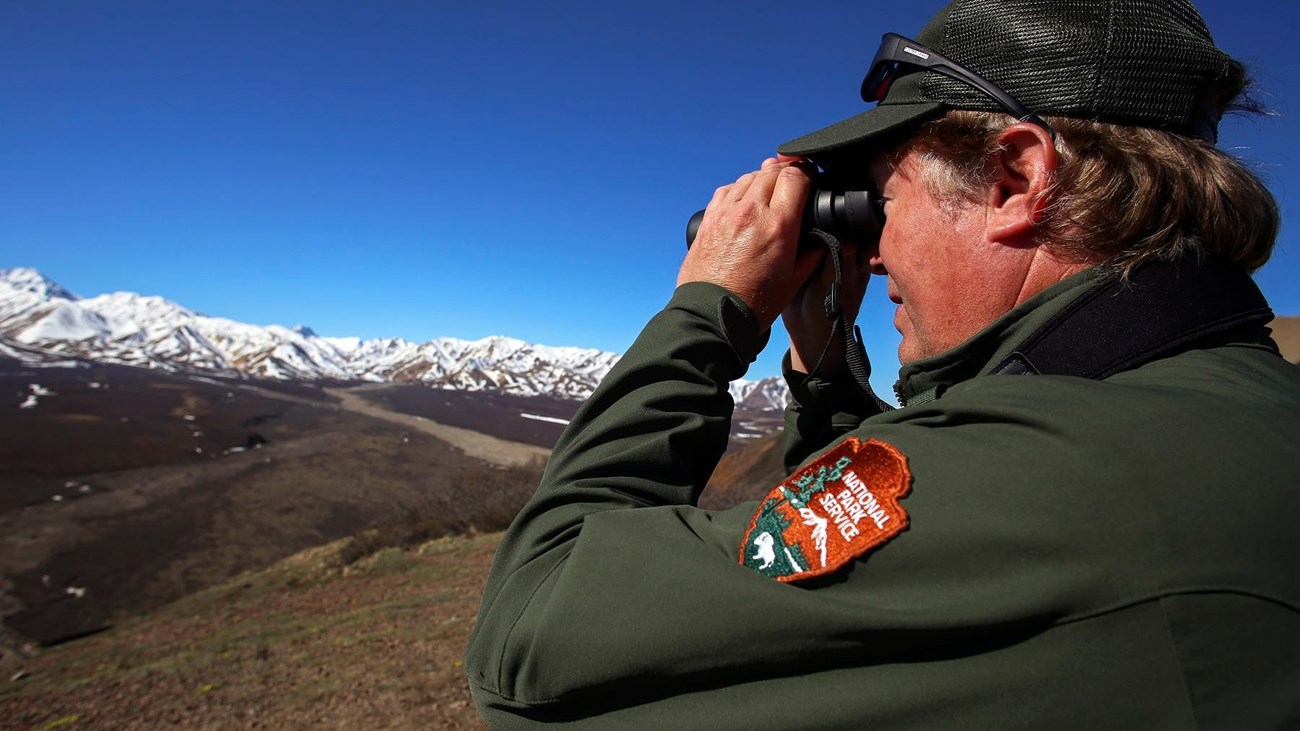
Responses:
[1122,196]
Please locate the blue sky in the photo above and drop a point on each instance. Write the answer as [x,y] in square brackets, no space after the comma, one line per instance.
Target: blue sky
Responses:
[426,169]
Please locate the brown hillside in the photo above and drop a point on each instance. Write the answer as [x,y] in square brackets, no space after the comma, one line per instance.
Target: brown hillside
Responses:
[311,642]
[746,472]
[1286,333]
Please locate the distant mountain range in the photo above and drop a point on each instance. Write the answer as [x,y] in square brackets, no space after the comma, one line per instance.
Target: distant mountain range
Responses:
[40,320]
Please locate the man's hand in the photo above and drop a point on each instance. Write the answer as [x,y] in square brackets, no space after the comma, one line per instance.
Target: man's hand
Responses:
[748,242]
[805,318]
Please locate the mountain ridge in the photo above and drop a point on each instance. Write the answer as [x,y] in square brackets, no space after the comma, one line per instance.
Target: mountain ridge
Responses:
[149,331]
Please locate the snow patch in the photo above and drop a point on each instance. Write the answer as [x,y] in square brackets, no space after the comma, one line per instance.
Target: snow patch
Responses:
[64,321]
[550,419]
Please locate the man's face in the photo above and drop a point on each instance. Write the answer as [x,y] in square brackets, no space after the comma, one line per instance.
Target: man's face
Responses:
[947,279]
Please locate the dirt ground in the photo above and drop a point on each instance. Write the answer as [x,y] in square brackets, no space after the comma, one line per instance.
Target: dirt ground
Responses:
[473,443]
[304,644]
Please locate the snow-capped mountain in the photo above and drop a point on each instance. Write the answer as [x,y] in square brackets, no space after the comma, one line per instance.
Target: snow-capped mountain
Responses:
[768,394]
[153,332]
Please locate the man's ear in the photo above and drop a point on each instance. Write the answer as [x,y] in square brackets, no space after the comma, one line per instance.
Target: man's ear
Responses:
[1023,172]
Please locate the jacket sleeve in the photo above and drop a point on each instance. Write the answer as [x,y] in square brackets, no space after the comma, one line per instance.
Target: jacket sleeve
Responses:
[820,412]
[648,437]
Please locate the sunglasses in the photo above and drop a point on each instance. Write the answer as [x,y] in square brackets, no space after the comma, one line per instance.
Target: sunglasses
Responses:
[897,53]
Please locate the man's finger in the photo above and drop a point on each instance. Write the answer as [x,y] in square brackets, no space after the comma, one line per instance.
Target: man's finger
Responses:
[791,189]
[764,183]
[740,188]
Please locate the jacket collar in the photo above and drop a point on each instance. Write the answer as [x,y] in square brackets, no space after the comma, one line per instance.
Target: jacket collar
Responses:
[925,380]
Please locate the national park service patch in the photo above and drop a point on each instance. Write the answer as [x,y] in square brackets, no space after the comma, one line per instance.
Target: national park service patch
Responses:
[829,512]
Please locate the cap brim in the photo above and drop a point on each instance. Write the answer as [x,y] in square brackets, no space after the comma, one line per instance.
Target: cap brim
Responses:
[877,123]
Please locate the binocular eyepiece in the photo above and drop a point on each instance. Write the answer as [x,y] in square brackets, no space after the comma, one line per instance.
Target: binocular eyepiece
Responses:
[845,214]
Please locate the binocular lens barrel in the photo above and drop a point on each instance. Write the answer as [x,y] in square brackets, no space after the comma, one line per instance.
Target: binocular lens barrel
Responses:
[843,214]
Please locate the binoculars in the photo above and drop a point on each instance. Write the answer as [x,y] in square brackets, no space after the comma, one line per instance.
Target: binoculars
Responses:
[845,214]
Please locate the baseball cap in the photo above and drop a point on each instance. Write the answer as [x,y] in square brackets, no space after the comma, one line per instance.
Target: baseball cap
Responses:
[1146,63]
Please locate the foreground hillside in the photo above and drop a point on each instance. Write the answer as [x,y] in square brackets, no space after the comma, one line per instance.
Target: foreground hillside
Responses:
[311,642]
[1286,332]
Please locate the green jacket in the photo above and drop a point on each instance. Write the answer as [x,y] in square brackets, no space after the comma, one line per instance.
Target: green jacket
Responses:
[1078,553]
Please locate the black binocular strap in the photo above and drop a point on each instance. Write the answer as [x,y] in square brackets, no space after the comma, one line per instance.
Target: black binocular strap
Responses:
[855,354]
[1118,325]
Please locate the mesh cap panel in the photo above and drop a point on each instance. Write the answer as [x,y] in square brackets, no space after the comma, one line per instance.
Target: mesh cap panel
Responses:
[1135,62]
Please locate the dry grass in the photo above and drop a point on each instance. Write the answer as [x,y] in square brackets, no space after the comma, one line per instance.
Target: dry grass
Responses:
[312,642]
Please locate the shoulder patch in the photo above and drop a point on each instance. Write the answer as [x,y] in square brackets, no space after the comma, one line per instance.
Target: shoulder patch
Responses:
[829,512]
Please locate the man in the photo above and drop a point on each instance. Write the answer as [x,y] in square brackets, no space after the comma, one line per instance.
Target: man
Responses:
[1083,515]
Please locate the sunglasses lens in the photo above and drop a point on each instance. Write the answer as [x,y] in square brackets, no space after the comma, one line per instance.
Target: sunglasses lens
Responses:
[876,85]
